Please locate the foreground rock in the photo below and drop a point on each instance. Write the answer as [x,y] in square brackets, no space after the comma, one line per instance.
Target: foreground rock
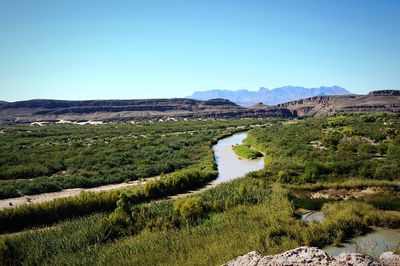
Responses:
[313,256]
[389,258]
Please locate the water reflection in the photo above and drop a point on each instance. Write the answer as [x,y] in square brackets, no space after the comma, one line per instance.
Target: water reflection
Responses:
[230,166]
[373,244]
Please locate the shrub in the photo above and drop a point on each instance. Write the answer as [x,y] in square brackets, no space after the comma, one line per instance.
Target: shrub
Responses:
[189,208]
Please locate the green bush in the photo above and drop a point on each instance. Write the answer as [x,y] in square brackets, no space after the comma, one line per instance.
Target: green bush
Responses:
[189,208]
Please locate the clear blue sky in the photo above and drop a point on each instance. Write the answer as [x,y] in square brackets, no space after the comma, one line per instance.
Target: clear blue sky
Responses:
[146,49]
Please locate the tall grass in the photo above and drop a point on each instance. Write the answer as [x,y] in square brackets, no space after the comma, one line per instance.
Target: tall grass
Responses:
[35,246]
[268,227]
[264,222]
[46,213]
[98,230]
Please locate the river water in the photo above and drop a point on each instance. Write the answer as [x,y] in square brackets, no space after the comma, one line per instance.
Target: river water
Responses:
[374,243]
[231,166]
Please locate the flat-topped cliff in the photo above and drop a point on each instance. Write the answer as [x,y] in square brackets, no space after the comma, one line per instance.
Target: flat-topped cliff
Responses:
[375,101]
[106,110]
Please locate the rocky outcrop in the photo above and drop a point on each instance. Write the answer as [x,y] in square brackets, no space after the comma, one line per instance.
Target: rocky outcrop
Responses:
[313,256]
[385,93]
[250,259]
[389,259]
[346,258]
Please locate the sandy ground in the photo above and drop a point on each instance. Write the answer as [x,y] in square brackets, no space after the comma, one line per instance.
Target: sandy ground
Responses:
[13,202]
[5,203]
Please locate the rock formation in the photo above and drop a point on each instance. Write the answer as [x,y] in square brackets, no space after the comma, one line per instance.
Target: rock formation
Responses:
[389,259]
[313,256]
[375,101]
[121,110]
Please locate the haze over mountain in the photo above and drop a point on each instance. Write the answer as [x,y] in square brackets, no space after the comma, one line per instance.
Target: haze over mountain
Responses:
[266,96]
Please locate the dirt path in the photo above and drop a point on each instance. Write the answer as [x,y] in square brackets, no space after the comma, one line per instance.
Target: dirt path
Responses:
[13,202]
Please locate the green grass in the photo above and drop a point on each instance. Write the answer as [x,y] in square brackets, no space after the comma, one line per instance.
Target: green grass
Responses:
[246,152]
[218,240]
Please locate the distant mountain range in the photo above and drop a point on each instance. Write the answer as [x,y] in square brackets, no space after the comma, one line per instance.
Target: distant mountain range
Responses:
[60,111]
[266,96]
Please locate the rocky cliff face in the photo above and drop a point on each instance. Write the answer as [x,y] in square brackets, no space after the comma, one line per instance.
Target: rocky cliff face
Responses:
[106,110]
[313,256]
[376,101]
[385,93]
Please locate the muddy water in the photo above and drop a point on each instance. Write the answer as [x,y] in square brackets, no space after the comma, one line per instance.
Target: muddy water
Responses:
[230,166]
[313,216]
[376,242]
[373,244]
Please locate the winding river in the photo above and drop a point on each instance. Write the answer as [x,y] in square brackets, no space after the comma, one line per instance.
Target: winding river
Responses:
[230,166]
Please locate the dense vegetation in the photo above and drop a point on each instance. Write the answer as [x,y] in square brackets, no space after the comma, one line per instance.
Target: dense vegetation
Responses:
[339,156]
[331,149]
[245,151]
[195,176]
[35,159]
